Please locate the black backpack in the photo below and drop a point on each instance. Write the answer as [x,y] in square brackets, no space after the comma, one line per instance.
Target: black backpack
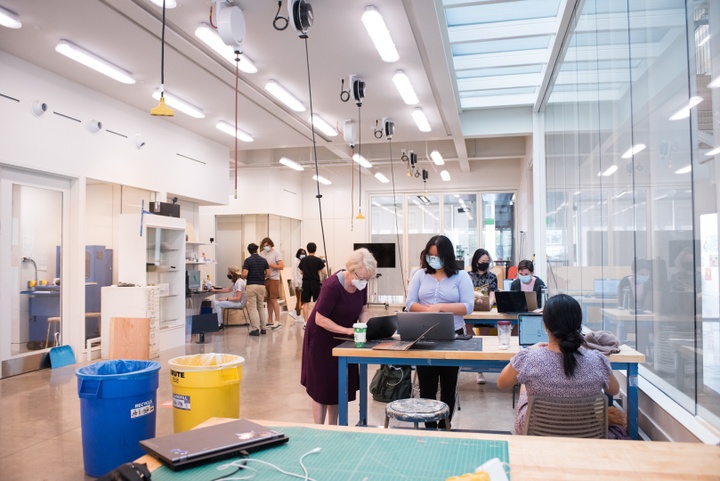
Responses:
[391,383]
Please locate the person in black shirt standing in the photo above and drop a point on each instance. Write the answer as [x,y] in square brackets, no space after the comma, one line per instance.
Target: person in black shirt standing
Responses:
[254,270]
[312,267]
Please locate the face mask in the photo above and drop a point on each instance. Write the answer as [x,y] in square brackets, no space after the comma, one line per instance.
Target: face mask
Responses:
[229,276]
[525,279]
[266,248]
[434,262]
[302,256]
[360,284]
[641,279]
[483,266]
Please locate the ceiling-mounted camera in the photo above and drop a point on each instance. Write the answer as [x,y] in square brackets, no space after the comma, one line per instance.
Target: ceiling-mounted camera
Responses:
[300,14]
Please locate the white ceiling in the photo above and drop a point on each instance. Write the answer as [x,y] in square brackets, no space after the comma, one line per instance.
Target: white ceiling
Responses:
[501,51]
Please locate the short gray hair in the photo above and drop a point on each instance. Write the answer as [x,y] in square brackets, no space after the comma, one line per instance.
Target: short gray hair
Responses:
[362,258]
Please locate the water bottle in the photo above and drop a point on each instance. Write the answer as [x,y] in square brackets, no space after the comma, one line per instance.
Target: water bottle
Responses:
[625,298]
[543,296]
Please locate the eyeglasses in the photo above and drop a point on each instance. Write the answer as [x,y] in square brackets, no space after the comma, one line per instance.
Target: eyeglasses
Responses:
[359,278]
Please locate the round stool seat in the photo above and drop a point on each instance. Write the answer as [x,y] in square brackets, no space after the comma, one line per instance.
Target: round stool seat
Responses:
[416,410]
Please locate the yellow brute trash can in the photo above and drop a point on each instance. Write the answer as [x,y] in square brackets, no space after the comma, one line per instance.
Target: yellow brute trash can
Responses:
[205,386]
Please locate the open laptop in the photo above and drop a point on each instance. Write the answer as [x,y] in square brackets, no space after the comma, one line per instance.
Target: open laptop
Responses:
[432,326]
[606,288]
[381,327]
[212,443]
[531,329]
[511,302]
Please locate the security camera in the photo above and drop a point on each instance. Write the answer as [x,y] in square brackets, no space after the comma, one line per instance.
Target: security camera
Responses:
[38,108]
[94,126]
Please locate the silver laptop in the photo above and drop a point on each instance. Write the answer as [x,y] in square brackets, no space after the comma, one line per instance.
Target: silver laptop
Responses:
[189,448]
[531,330]
[440,326]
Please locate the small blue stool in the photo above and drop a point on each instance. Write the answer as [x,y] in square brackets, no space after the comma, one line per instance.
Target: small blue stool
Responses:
[417,410]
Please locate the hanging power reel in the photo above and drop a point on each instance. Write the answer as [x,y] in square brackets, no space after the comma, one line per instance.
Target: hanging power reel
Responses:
[230,22]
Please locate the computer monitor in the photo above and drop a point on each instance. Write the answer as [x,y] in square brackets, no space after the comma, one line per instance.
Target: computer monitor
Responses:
[202,323]
[194,280]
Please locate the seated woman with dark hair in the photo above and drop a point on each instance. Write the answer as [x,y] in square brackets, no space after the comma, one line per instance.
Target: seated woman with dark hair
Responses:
[527,281]
[561,367]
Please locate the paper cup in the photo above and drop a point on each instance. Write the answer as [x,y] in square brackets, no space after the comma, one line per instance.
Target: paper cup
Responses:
[360,333]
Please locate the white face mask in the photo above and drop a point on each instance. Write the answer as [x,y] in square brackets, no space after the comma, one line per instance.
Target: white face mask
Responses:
[302,256]
[266,248]
[360,284]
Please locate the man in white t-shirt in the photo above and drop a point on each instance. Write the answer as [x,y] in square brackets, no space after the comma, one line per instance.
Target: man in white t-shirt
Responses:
[272,284]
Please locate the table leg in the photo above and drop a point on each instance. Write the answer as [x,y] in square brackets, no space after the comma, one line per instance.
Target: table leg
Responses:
[632,400]
[363,395]
[342,392]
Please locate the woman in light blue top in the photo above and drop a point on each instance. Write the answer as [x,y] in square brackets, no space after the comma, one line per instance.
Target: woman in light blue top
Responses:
[439,286]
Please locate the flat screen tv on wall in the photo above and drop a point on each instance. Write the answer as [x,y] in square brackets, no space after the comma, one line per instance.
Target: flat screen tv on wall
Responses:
[384,252]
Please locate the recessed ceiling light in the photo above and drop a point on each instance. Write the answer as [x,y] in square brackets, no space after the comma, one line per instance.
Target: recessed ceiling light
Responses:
[423,199]
[292,164]
[168,3]
[9,19]
[609,171]
[637,148]
[209,37]
[437,158]
[321,179]
[323,126]
[280,93]
[180,105]
[445,175]
[421,120]
[380,35]
[91,60]
[403,85]
[362,160]
[223,126]
[684,170]
[379,176]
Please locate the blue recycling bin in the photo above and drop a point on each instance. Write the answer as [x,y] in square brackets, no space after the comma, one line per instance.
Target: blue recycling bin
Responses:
[118,401]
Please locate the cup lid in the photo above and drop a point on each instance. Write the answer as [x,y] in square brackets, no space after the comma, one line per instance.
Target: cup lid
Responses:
[503,323]
[360,325]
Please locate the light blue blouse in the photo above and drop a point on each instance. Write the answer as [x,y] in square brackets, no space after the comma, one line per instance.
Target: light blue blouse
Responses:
[426,290]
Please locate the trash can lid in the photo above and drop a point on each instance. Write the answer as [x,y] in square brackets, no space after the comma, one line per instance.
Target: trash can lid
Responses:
[205,362]
[117,368]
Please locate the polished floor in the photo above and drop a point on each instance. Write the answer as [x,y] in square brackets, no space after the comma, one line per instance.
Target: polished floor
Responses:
[40,434]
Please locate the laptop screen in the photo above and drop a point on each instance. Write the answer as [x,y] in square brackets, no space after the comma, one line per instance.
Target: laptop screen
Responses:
[606,287]
[531,330]
[193,280]
[432,326]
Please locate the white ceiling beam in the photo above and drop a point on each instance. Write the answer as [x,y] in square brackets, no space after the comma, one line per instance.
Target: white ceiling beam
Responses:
[501,59]
[502,30]
[499,82]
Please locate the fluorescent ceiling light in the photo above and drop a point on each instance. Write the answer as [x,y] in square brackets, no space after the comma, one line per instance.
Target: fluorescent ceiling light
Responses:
[380,35]
[684,112]
[376,203]
[445,175]
[321,179]
[437,158]
[422,122]
[168,3]
[91,60]
[714,151]
[323,126]
[715,83]
[423,199]
[223,126]
[9,19]
[279,92]
[379,176]
[403,85]
[609,171]
[684,170]
[209,37]
[362,160]
[633,150]
[291,163]
[180,105]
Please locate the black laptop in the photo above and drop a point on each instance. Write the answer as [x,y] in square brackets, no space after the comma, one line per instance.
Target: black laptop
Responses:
[511,302]
[211,443]
[381,327]
[431,326]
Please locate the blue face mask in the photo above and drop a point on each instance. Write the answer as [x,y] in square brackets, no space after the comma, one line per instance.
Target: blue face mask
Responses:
[525,279]
[434,262]
[641,279]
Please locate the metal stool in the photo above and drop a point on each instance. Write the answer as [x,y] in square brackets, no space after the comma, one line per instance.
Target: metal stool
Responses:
[417,410]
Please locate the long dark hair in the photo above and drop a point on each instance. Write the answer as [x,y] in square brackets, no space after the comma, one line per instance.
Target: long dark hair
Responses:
[562,316]
[300,252]
[476,257]
[446,253]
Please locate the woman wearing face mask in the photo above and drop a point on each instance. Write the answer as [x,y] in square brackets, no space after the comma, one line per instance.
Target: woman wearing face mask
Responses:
[341,303]
[440,287]
[483,279]
[236,299]
[526,281]
[639,287]
[297,284]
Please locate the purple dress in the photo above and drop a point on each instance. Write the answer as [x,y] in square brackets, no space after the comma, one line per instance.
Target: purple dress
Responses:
[319,373]
[541,371]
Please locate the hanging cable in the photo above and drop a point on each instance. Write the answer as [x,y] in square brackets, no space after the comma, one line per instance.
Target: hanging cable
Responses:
[397,229]
[280,17]
[162,55]
[211,12]
[360,214]
[237,86]
[352,188]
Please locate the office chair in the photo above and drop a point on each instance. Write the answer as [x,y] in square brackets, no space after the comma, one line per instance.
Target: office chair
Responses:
[577,417]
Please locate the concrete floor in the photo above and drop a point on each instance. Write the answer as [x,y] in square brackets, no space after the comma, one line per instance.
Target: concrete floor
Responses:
[40,434]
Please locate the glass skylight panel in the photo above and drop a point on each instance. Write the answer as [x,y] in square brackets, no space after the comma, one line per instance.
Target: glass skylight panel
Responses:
[539,42]
[499,71]
[492,92]
[501,12]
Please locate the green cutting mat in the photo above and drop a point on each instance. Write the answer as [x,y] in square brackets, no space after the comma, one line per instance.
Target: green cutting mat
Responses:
[357,456]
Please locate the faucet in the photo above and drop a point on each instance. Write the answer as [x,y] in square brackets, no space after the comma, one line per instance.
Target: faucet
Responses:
[29,259]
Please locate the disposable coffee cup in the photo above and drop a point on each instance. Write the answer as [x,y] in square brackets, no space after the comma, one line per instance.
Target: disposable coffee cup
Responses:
[360,333]
[504,329]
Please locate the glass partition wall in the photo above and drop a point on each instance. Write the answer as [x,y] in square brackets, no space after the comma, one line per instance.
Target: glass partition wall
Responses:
[632,185]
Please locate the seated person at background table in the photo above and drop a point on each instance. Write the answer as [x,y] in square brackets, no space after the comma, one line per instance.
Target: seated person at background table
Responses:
[236,300]
[440,287]
[483,281]
[561,367]
[341,303]
[527,282]
[639,287]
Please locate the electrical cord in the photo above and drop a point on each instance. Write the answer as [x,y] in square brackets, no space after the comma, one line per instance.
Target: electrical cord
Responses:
[242,464]
[237,86]
[397,229]
[280,17]
[162,55]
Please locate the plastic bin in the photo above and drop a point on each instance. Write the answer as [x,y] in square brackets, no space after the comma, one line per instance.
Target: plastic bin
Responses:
[205,386]
[117,410]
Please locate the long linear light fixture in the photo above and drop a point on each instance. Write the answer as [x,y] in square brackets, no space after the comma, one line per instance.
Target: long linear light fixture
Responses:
[609,171]
[403,85]
[381,177]
[684,112]
[635,149]
[168,3]
[209,37]
[322,125]
[223,126]
[362,160]
[421,120]
[437,158]
[280,93]
[714,151]
[380,35]
[445,175]
[9,19]
[91,60]
[292,164]
[180,105]
[321,179]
